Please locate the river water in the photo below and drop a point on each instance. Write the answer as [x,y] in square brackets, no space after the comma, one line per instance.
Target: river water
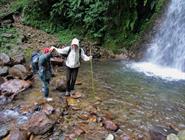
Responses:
[138,100]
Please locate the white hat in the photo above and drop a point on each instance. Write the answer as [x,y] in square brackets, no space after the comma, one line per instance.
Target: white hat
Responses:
[75,41]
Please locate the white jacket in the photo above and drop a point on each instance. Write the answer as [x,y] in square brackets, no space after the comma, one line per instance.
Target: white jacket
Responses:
[73,58]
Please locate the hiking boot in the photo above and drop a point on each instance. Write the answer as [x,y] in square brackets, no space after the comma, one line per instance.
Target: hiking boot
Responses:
[49,99]
[67,93]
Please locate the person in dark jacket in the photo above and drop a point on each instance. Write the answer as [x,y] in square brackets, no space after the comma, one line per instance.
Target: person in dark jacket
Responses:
[45,71]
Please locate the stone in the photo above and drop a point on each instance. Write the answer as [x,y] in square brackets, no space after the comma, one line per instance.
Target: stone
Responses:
[109,125]
[172,137]
[3,71]
[76,95]
[14,86]
[75,133]
[19,59]
[19,71]
[59,84]
[48,109]
[17,135]
[4,59]
[39,124]
[4,130]
[57,61]
[2,80]
[181,135]
[158,132]
[110,137]
[125,137]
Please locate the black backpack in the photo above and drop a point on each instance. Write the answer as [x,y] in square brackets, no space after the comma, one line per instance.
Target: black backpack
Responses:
[34,61]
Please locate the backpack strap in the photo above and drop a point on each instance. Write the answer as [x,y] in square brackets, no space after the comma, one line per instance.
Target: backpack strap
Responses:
[68,51]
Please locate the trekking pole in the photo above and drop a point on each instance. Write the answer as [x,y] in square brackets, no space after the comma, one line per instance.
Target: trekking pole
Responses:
[92,75]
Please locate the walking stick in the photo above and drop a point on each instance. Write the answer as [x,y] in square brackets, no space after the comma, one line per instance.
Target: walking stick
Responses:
[92,75]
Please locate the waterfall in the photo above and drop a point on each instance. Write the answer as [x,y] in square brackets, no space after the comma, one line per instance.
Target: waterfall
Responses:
[165,56]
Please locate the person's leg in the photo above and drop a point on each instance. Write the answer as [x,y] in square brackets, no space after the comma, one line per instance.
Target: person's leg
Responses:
[73,78]
[45,87]
[68,79]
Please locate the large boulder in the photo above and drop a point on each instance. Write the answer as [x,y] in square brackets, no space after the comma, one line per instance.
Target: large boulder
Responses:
[19,71]
[59,84]
[19,59]
[39,124]
[4,59]
[3,71]
[13,87]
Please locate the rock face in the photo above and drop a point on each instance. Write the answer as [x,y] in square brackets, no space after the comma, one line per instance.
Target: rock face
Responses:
[14,87]
[3,71]
[4,59]
[19,71]
[39,124]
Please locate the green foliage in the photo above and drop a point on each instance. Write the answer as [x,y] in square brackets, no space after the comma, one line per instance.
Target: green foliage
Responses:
[117,21]
[8,39]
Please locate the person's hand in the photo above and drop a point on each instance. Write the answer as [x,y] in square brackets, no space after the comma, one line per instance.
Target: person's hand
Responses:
[52,48]
[90,57]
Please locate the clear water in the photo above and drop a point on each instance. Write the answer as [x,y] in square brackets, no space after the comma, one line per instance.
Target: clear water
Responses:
[137,100]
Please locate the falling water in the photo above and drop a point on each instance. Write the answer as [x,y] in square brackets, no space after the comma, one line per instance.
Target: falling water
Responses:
[165,56]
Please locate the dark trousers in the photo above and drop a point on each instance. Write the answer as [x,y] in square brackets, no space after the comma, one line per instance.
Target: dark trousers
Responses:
[71,75]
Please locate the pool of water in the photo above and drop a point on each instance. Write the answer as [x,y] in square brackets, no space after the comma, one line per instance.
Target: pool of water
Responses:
[138,100]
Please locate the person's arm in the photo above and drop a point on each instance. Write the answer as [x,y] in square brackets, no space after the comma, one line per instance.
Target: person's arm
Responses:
[63,50]
[84,56]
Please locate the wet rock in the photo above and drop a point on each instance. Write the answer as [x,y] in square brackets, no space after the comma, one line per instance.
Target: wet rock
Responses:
[3,71]
[76,95]
[4,130]
[2,80]
[39,124]
[4,59]
[109,125]
[14,86]
[125,137]
[84,116]
[75,133]
[48,109]
[19,59]
[110,137]
[19,71]
[160,132]
[72,102]
[17,135]
[59,84]
[172,137]
[181,135]
[57,61]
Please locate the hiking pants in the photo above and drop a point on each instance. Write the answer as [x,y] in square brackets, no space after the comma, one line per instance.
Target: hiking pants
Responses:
[45,87]
[71,75]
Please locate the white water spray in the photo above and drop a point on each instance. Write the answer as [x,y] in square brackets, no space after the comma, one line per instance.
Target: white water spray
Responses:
[165,56]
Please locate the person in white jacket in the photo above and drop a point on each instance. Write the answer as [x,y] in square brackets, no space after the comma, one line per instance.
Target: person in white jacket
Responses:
[74,53]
